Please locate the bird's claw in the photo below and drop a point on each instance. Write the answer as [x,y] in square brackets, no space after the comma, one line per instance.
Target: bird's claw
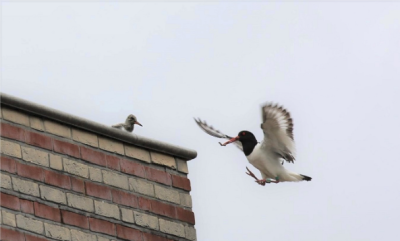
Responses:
[221,144]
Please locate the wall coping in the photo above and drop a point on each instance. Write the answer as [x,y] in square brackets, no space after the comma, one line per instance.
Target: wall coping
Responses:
[131,138]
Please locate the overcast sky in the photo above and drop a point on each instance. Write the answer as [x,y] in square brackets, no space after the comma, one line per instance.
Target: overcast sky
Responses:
[334,66]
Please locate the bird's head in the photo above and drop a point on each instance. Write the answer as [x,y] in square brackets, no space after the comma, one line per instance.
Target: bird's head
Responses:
[245,137]
[131,119]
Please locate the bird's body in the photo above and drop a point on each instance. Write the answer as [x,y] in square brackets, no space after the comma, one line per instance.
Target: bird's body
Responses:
[267,156]
[128,126]
[270,165]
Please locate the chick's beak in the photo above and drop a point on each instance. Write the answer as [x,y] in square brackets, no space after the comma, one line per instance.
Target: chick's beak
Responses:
[230,141]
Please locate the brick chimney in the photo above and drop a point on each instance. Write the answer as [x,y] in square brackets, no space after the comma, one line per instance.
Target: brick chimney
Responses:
[67,178]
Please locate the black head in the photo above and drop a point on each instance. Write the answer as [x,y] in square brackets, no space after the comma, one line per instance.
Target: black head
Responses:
[248,141]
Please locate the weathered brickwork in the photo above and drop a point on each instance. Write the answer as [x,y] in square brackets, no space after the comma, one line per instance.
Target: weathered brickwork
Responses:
[59,182]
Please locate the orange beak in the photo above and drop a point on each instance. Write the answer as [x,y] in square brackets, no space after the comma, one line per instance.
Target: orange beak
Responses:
[137,123]
[230,141]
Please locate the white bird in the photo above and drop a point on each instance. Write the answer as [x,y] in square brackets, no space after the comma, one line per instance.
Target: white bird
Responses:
[128,126]
[266,156]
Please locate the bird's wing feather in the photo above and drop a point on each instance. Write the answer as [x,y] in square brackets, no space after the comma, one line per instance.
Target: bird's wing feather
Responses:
[278,131]
[211,131]
[120,125]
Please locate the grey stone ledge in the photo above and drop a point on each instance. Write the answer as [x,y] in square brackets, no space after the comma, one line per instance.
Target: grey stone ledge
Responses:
[100,129]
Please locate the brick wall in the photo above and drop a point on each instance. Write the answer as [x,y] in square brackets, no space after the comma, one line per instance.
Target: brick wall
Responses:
[59,182]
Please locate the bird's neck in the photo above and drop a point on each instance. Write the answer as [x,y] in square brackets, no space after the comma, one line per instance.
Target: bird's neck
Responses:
[248,146]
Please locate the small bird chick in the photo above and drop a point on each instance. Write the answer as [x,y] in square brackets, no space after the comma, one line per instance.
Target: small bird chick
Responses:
[128,126]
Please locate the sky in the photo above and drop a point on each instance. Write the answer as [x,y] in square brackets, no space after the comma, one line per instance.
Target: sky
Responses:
[334,66]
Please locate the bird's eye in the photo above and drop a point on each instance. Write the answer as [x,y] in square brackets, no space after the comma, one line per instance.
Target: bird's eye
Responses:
[243,133]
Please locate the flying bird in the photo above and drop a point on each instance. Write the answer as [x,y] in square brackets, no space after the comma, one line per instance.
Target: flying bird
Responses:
[266,156]
[128,126]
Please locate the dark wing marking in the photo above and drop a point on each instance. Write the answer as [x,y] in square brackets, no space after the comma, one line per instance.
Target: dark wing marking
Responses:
[278,117]
[278,131]
[213,132]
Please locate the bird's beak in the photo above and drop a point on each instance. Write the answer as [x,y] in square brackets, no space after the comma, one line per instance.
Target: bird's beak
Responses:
[230,141]
[137,123]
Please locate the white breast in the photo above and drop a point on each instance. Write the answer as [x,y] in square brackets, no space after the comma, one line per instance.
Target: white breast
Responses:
[269,165]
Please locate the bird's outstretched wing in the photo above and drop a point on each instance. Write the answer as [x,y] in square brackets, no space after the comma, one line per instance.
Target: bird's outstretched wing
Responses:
[211,131]
[278,131]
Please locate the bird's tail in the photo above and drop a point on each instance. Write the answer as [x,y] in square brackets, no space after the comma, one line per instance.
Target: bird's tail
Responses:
[306,178]
[295,177]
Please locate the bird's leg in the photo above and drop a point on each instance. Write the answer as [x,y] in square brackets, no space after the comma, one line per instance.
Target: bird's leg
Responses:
[261,182]
[276,180]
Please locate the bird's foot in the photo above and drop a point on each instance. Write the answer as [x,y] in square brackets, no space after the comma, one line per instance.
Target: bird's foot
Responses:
[262,182]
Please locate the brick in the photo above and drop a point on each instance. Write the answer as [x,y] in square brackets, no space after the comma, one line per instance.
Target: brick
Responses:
[77,185]
[52,194]
[10,148]
[141,186]
[158,176]
[57,179]
[167,194]
[32,172]
[36,123]
[186,200]
[146,220]
[75,219]
[182,165]
[152,237]
[93,156]
[124,198]
[57,232]
[111,145]
[190,233]
[34,238]
[114,179]
[103,239]
[95,174]
[113,162]
[15,116]
[128,233]
[160,208]
[144,203]
[100,191]
[57,129]
[30,224]
[12,132]
[162,159]
[35,156]
[47,212]
[66,148]
[26,187]
[11,235]
[39,140]
[8,164]
[76,168]
[77,235]
[26,206]
[173,228]
[127,215]
[9,201]
[105,209]
[132,168]
[102,226]
[79,202]
[56,162]
[181,182]
[138,153]
[8,218]
[85,137]
[185,215]
[5,181]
